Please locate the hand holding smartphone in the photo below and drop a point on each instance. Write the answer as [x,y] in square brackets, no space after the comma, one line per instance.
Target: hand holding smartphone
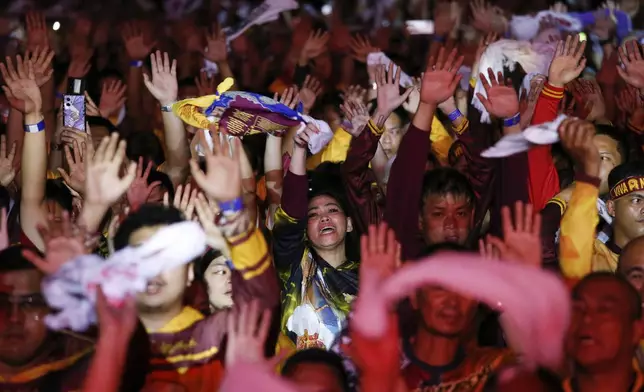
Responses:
[74,105]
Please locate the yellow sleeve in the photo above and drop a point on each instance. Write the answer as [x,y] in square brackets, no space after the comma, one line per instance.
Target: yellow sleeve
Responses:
[335,151]
[441,140]
[249,253]
[577,236]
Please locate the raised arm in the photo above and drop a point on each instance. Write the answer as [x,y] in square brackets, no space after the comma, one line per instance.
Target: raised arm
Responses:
[164,87]
[578,225]
[21,85]
[406,178]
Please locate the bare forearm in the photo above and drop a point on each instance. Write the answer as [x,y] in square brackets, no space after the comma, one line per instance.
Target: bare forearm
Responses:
[176,145]
[34,161]
[15,133]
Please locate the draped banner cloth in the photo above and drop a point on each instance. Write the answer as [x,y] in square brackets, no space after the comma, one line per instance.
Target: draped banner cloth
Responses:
[240,113]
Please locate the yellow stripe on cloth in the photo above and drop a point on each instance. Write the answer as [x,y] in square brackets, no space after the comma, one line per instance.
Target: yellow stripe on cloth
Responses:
[188,110]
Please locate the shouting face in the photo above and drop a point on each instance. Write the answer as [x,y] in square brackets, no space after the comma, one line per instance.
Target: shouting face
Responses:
[327,223]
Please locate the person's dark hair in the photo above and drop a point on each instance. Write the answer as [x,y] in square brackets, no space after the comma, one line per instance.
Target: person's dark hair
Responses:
[611,132]
[56,191]
[317,356]
[187,82]
[625,170]
[146,145]
[634,298]
[165,181]
[96,121]
[433,249]
[11,259]
[201,265]
[444,181]
[147,215]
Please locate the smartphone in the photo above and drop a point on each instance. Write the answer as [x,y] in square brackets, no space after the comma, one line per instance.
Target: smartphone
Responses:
[74,105]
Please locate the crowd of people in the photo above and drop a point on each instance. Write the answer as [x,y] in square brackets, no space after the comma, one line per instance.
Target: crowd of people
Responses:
[335,199]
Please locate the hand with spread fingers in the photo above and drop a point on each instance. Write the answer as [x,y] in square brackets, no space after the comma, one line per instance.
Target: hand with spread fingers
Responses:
[103,184]
[314,46]
[63,242]
[222,180]
[136,45]
[502,100]
[75,158]
[521,238]
[216,49]
[139,190]
[355,111]
[569,61]
[163,82]
[41,58]
[388,89]
[290,97]
[247,328]
[184,200]
[311,89]
[112,98]
[441,77]
[631,58]
[21,87]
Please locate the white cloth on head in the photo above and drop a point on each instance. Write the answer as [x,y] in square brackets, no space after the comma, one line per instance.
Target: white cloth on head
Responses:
[376,58]
[507,54]
[72,289]
[542,134]
[534,304]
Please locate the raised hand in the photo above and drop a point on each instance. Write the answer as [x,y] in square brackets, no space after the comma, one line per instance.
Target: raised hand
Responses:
[487,18]
[577,139]
[440,78]
[163,83]
[389,97]
[355,92]
[361,47]
[116,321]
[21,85]
[379,251]
[222,180]
[63,242]
[206,213]
[216,49]
[7,170]
[568,62]
[290,97]
[184,200]
[528,100]
[41,58]
[139,190]
[595,100]
[37,33]
[247,329]
[311,89]
[501,100]
[631,58]
[103,185]
[521,238]
[136,46]
[112,98]
[81,57]
[356,112]
[205,85]
[76,161]
[314,46]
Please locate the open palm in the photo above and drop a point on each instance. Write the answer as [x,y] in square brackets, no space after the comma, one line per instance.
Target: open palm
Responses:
[21,84]
[440,79]
[222,180]
[501,101]
[163,83]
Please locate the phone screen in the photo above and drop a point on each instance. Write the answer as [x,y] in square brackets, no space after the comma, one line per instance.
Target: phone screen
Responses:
[74,105]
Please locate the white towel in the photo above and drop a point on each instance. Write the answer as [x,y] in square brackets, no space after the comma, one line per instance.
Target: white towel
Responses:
[72,289]
[376,58]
